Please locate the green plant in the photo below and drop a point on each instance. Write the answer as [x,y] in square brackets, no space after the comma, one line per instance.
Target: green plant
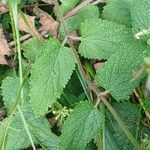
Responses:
[56,97]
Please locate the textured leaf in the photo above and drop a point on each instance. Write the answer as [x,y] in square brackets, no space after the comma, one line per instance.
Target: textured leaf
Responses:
[100,39]
[147,105]
[11,91]
[117,75]
[68,5]
[33,48]
[50,75]
[119,11]
[16,136]
[40,129]
[114,1]
[81,126]
[129,113]
[110,142]
[45,137]
[140,13]
[73,23]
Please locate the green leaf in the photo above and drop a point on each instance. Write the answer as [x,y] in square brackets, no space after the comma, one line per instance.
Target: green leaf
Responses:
[87,12]
[140,12]
[100,38]
[110,142]
[40,129]
[147,105]
[68,5]
[33,48]
[45,137]
[16,136]
[11,93]
[81,126]
[118,11]
[129,113]
[13,3]
[117,75]
[114,1]
[51,73]
[73,23]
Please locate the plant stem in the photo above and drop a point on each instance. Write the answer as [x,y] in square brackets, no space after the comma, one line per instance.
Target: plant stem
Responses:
[121,123]
[15,21]
[90,84]
[14,18]
[84,85]
[141,103]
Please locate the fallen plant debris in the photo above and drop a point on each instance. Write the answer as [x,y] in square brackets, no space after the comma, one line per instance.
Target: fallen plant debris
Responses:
[27,24]
[48,23]
[4,48]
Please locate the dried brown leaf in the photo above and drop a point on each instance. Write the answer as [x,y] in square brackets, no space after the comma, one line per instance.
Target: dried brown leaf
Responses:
[74,36]
[98,65]
[4,48]
[47,21]
[27,24]
[3,8]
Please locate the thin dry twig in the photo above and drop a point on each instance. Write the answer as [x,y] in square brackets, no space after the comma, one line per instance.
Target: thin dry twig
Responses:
[77,9]
[27,36]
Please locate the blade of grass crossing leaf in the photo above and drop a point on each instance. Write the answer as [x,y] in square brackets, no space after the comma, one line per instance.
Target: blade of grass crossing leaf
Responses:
[14,16]
[84,85]
[26,127]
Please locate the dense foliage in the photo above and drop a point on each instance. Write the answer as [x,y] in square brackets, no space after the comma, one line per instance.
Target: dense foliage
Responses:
[75,74]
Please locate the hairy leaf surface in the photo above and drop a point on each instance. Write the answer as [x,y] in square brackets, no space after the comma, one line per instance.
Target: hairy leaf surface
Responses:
[32,49]
[16,136]
[50,75]
[73,23]
[118,75]
[101,38]
[119,11]
[11,93]
[81,126]
[140,12]
[129,113]
[68,5]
